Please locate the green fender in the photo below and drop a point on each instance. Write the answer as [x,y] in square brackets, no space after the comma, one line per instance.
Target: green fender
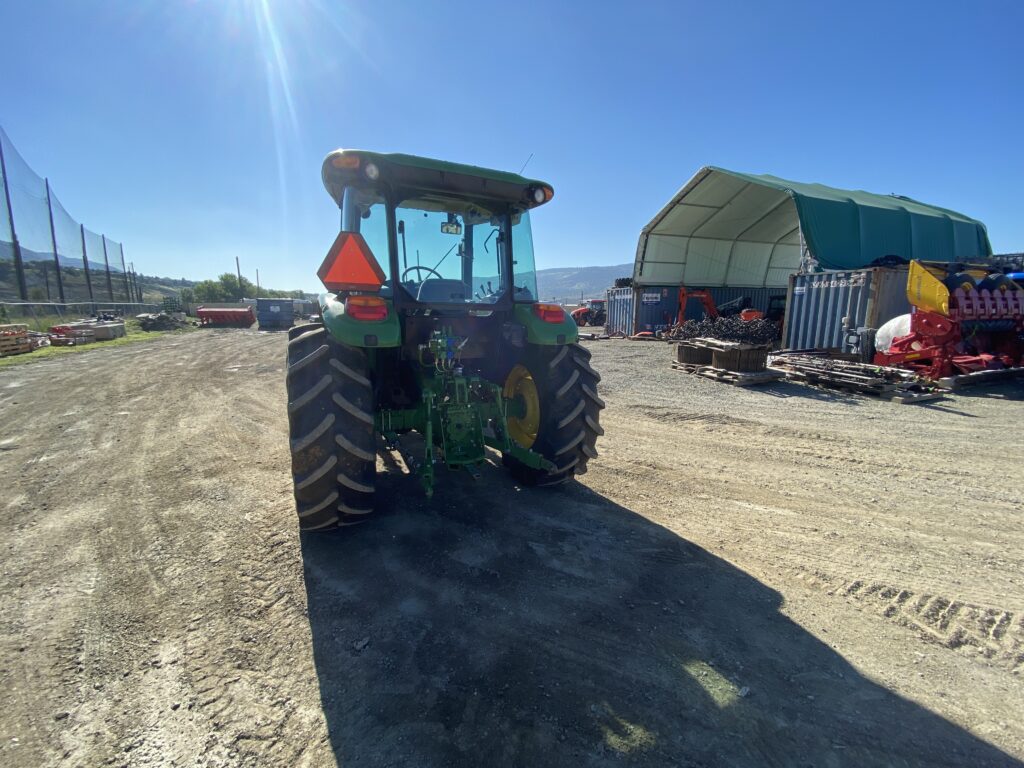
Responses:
[546,334]
[359,333]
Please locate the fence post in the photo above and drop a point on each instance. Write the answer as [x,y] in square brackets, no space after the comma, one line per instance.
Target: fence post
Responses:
[19,267]
[85,263]
[106,263]
[53,239]
[124,272]
[138,287]
[135,282]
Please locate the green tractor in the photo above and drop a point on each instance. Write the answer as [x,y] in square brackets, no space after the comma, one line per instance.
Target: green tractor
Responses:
[432,341]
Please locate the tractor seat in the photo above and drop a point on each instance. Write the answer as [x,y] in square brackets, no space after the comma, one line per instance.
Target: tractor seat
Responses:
[442,291]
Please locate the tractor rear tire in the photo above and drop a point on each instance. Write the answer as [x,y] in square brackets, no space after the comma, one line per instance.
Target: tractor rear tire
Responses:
[330,417]
[570,412]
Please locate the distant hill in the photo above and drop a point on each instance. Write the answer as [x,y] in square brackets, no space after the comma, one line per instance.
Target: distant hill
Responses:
[568,284]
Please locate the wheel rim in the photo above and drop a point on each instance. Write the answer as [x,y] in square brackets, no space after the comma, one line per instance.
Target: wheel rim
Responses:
[519,385]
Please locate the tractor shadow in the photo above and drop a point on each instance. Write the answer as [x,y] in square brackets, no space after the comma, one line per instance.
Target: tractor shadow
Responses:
[500,626]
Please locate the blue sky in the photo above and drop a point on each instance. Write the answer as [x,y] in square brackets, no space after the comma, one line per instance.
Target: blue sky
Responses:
[193,130]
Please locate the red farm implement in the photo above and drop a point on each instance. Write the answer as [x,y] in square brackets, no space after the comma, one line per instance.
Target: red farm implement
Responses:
[959,325]
[226,317]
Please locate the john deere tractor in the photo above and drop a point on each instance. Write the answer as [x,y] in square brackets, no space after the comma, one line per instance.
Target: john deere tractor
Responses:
[432,341]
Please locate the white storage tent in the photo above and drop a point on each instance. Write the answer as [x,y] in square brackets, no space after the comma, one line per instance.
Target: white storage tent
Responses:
[728,229]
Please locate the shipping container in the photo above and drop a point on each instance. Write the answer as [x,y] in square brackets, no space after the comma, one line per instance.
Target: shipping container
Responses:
[275,313]
[824,307]
[619,302]
[632,310]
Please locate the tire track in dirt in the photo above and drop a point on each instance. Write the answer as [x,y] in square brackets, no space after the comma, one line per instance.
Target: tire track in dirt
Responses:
[994,633]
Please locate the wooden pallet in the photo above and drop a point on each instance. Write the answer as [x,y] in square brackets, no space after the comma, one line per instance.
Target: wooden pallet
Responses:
[737,378]
[979,377]
[13,329]
[14,345]
[905,397]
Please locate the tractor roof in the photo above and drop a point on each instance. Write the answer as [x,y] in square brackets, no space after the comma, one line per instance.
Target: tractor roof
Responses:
[346,167]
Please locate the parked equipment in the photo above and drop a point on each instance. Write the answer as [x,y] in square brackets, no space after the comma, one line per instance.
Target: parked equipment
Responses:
[226,317]
[591,313]
[703,295]
[962,321]
[432,326]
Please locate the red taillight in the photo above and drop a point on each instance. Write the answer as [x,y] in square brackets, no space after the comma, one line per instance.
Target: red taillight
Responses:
[366,308]
[549,313]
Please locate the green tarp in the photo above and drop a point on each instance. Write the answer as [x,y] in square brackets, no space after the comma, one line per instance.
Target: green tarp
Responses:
[744,230]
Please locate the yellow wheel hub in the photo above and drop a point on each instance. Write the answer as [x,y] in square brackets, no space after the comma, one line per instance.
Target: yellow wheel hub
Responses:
[520,386]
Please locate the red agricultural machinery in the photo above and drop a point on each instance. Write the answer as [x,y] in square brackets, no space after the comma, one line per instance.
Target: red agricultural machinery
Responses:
[593,312]
[226,317]
[961,322]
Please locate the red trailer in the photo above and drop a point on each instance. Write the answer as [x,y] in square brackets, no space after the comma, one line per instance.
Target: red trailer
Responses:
[226,317]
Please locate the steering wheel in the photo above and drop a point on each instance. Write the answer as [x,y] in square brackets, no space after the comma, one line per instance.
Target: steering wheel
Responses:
[420,268]
[417,267]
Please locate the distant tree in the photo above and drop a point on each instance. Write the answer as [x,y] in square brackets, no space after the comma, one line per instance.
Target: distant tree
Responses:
[37,294]
[210,290]
[187,296]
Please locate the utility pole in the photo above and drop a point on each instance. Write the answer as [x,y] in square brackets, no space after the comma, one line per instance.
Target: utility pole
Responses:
[53,240]
[19,266]
[238,269]
[257,283]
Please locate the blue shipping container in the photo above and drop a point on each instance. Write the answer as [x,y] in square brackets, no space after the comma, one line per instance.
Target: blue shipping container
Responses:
[274,313]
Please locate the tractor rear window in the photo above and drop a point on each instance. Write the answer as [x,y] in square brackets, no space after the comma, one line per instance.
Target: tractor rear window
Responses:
[451,251]
[524,271]
[367,214]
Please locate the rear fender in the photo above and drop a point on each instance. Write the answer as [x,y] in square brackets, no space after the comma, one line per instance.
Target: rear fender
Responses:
[543,333]
[359,333]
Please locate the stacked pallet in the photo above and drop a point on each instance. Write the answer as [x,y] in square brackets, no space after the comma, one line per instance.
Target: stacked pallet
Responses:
[864,378]
[14,340]
[733,362]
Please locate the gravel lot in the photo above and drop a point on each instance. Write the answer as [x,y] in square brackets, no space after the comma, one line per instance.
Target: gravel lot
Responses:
[771,577]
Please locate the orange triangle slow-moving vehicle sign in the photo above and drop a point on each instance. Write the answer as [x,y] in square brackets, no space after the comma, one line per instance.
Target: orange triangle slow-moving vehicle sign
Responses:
[350,265]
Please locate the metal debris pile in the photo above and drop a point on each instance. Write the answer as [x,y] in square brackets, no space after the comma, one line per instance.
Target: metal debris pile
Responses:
[159,322]
[866,378]
[726,329]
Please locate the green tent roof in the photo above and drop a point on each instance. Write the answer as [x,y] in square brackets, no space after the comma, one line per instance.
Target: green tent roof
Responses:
[743,230]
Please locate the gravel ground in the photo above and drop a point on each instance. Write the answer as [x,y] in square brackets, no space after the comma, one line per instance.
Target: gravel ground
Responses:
[770,577]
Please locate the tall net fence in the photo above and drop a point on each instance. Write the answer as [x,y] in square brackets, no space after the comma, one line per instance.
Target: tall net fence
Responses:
[47,256]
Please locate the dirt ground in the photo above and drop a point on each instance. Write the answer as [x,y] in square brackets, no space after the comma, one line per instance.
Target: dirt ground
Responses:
[773,577]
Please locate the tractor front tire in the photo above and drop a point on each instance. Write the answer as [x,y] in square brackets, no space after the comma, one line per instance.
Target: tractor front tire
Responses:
[569,413]
[330,417]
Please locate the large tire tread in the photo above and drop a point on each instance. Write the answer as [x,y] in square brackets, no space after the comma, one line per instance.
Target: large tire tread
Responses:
[330,414]
[570,414]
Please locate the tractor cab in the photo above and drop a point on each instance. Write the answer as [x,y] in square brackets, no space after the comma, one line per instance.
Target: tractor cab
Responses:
[444,237]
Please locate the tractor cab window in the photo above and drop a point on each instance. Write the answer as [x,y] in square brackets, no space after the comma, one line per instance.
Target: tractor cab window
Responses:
[366,213]
[524,272]
[451,251]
